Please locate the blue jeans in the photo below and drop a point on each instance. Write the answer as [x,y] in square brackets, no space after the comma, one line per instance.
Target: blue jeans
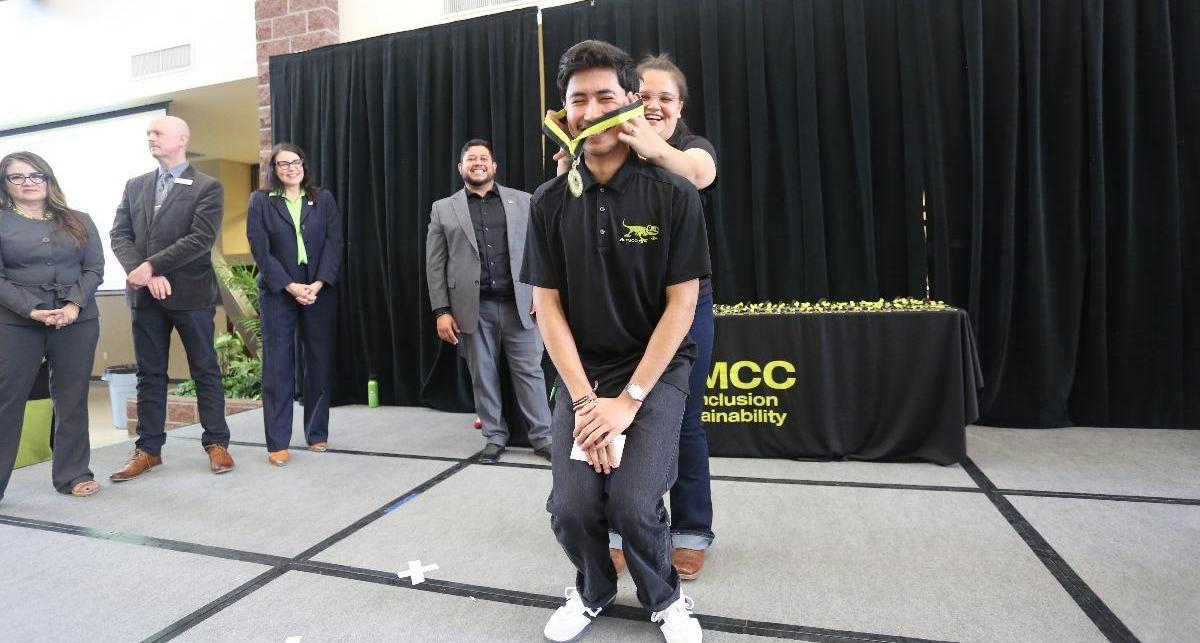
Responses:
[691,496]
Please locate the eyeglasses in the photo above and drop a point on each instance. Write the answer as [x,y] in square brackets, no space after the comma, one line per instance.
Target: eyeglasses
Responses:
[36,178]
[283,165]
[663,99]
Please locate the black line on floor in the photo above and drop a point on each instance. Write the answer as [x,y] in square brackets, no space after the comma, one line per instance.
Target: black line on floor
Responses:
[1105,620]
[785,481]
[624,612]
[380,512]
[1099,496]
[204,613]
[146,541]
[282,565]
[848,484]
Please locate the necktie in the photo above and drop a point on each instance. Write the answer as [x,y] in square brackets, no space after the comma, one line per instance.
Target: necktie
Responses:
[161,189]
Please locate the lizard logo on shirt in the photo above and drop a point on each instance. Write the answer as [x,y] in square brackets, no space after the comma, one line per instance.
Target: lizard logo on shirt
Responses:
[640,233]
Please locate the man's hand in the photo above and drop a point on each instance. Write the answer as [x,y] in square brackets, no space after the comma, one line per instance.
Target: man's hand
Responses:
[598,423]
[141,275]
[302,293]
[447,328]
[639,135]
[603,459]
[159,287]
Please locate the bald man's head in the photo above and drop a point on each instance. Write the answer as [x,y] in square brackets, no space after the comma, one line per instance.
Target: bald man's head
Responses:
[168,138]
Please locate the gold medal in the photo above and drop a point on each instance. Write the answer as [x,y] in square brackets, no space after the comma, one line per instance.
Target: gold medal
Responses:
[575,180]
[574,147]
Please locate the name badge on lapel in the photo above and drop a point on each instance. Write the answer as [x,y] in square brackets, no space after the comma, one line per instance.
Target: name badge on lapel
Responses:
[179,181]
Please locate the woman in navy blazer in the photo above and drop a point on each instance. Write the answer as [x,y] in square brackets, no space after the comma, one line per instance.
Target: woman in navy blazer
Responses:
[295,233]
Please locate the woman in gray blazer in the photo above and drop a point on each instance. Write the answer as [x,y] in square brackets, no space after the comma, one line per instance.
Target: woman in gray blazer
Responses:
[51,263]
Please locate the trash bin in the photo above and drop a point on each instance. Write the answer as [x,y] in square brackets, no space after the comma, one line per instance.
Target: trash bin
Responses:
[122,382]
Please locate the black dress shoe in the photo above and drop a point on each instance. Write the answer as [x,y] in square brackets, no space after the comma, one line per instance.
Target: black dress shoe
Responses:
[543,453]
[490,454]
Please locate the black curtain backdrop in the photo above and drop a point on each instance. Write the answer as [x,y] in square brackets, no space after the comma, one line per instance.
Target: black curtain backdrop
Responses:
[803,103]
[1051,146]
[382,121]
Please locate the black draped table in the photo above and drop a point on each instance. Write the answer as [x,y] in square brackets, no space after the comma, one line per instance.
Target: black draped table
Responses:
[897,385]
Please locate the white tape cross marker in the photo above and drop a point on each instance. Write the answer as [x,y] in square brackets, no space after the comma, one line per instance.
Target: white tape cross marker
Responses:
[417,572]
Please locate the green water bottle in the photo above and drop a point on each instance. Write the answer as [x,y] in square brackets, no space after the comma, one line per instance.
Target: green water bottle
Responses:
[372,394]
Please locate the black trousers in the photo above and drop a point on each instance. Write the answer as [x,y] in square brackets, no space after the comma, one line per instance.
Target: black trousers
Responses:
[152,326]
[70,353]
[284,322]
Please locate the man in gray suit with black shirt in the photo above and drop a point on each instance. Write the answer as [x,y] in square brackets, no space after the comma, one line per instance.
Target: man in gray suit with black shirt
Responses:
[473,253]
[163,237]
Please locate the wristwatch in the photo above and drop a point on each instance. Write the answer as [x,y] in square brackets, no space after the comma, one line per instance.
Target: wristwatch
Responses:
[636,392]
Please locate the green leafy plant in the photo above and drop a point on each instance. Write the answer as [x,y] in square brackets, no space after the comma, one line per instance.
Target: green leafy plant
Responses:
[241,374]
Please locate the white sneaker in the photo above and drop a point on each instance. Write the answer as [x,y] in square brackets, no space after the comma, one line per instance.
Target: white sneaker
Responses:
[678,624]
[571,621]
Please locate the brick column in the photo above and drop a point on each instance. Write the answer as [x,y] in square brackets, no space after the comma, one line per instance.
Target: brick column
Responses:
[286,27]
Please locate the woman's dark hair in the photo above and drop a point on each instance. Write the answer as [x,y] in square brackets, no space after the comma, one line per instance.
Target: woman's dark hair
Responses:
[56,203]
[593,54]
[663,62]
[273,183]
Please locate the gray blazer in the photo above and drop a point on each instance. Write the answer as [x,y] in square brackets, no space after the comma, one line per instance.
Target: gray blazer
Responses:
[40,267]
[452,256]
[177,241]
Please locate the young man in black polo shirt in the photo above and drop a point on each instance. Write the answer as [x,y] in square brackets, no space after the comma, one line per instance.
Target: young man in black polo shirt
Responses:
[616,274]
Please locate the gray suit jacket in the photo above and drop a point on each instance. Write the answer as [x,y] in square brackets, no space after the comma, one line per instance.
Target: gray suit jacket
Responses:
[40,267]
[452,256]
[177,241]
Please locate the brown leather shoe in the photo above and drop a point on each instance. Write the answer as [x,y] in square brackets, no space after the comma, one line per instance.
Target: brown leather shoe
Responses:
[688,562]
[139,462]
[618,559]
[219,459]
[279,458]
[319,447]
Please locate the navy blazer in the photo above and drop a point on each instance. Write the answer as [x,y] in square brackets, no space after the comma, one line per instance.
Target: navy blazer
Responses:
[273,240]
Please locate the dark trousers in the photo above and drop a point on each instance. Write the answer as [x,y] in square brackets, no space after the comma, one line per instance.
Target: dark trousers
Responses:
[152,326]
[284,322]
[691,495]
[583,503]
[70,353]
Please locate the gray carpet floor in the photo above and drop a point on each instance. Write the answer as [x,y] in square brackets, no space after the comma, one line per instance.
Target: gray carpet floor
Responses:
[831,552]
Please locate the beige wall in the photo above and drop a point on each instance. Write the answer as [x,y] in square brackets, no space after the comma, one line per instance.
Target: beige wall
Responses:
[235,178]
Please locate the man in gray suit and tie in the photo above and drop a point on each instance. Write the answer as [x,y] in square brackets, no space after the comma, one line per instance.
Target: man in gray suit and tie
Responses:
[163,236]
[473,254]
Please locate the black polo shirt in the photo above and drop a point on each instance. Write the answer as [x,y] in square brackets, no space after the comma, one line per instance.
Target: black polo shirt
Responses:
[683,140]
[611,255]
[491,233]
